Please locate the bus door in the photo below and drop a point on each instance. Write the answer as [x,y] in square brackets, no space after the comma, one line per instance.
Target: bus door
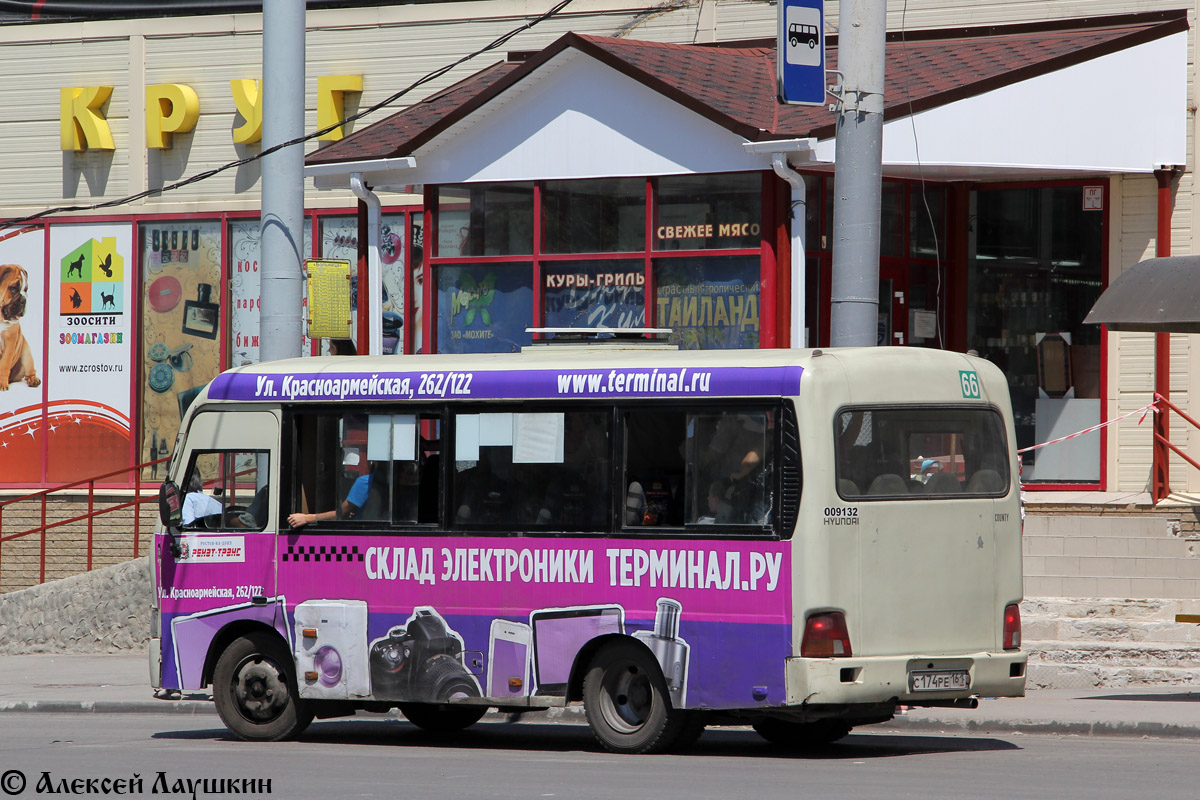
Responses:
[220,567]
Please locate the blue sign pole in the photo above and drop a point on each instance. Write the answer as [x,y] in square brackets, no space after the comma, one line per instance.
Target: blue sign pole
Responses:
[800,56]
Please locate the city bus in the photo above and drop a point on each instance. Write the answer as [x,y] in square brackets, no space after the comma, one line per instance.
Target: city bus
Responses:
[675,539]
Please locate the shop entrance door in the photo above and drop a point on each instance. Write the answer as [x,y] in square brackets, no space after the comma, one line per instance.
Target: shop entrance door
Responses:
[909,307]
[893,291]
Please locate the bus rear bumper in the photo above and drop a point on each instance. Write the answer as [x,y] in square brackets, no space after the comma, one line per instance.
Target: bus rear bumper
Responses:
[911,681]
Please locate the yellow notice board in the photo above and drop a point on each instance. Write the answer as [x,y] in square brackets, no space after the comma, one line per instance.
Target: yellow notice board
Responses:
[328,299]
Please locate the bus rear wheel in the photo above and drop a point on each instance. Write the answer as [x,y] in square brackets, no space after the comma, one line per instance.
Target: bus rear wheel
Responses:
[801,734]
[626,701]
[254,687]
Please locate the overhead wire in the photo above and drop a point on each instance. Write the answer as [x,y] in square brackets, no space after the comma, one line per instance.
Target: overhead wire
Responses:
[937,247]
[208,173]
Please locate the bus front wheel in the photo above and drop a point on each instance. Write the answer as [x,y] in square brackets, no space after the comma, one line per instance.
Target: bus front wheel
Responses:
[255,690]
[626,701]
[801,734]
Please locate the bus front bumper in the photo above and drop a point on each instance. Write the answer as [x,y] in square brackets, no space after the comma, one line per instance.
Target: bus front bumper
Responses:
[911,681]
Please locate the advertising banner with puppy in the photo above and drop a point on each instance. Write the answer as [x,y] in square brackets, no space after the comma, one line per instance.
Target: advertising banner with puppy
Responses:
[90,359]
[22,352]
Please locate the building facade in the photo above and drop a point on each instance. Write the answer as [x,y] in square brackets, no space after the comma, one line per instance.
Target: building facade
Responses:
[595,173]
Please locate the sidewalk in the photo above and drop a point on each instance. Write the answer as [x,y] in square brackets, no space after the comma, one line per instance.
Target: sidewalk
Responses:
[120,683]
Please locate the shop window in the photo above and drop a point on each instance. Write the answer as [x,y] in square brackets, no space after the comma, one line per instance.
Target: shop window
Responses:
[416,321]
[182,324]
[594,216]
[484,308]
[704,212]
[710,303]
[486,219]
[244,240]
[818,212]
[532,471]
[891,220]
[594,294]
[339,240]
[927,221]
[1035,270]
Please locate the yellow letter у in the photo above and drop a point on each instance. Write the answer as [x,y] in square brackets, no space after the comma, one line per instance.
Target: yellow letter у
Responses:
[331,91]
[247,96]
[81,123]
[170,108]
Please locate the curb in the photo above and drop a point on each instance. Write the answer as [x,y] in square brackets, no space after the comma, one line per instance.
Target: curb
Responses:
[1127,730]
[111,706]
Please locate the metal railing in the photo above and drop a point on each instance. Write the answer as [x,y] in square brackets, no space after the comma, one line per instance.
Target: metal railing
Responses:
[42,498]
[1162,443]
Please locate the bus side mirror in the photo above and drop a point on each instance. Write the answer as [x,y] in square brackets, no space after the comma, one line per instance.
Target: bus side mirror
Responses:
[170,505]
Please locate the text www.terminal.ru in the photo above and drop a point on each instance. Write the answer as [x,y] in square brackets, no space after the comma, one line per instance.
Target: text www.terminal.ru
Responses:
[642,381]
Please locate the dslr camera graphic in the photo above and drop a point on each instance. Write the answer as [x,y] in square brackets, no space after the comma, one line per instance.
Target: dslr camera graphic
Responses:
[421,662]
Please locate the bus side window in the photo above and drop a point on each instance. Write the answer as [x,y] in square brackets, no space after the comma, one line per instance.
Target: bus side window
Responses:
[535,470]
[227,490]
[730,460]
[654,467]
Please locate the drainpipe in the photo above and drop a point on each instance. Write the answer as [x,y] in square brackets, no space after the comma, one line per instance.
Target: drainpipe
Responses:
[1160,471]
[796,180]
[369,303]
[779,151]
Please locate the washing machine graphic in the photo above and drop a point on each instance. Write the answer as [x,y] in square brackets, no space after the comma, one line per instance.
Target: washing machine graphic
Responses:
[331,649]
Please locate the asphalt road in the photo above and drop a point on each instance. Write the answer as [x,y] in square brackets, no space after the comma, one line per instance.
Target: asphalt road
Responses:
[392,759]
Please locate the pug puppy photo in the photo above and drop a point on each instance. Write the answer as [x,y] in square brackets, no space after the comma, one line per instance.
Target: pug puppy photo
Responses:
[16,357]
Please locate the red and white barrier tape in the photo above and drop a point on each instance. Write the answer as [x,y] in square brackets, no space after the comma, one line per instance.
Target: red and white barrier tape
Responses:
[1144,410]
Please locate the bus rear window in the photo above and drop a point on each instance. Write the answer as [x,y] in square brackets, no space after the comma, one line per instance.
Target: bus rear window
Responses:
[933,452]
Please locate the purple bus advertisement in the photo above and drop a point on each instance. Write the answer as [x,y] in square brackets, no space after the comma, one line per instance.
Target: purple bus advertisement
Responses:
[480,532]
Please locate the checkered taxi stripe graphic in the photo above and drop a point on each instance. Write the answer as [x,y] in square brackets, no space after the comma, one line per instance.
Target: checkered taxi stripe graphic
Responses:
[322,553]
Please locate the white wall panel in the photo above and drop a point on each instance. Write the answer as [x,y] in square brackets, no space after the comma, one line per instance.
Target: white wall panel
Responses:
[554,130]
[34,171]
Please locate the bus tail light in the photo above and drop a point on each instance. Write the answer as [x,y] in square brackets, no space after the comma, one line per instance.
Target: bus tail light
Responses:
[825,636]
[1012,627]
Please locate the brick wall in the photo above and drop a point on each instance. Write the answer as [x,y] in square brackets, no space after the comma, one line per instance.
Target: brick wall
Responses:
[112,538]
[1129,551]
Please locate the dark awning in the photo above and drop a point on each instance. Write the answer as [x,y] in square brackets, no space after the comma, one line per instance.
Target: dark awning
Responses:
[1159,294]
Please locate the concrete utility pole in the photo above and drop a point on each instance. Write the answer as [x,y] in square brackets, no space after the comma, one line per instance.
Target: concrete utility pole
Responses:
[858,172]
[282,253]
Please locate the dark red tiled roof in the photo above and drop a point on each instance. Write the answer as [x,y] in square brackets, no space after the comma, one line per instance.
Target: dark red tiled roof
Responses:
[735,86]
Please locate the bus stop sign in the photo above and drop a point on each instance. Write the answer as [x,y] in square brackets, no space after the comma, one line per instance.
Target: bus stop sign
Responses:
[800,56]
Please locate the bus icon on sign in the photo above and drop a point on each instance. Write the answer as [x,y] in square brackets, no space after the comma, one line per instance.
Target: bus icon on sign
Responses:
[807,34]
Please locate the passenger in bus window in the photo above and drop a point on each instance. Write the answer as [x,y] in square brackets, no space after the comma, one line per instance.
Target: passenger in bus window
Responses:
[718,507]
[405,491]
[197,504]
[367,499]
[736,456]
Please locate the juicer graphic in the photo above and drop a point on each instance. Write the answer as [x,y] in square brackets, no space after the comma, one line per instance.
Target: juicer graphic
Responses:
[668,648]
